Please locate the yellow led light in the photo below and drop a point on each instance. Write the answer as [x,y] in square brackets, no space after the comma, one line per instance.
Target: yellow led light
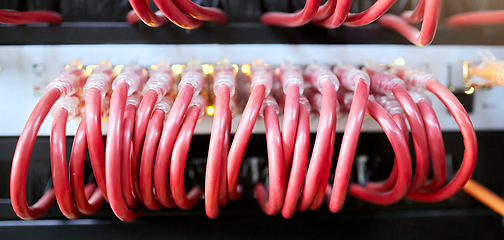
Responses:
[235,67]
[177,69]
[154,67]
[245,68]
[89,69]
[118,69]
[210,110]
[207,68]
[469,91]
[399,61]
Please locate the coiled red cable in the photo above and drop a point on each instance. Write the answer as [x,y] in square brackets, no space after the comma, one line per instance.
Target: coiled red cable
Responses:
[215,151]
[339,14]
[400,147]
[436,145]
[271,202]
[348,146]
[299,162]
[423,37]
[89,198]
[179,156]
[114,160]
[165,146]
[319,159]
[131,197]
[470,143]
[27,17]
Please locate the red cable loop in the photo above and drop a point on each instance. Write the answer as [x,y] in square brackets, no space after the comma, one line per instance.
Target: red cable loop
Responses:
[271,202]
[128,170]
[21,160]
[215,151]
[370,15]
[201,13]
[299,163]
[165,146]
[59,168]
[290,122]
[176,16]
[113,159]
[148,157]
[89,198]
[338,16]
[325,11]
[470,143]
[430,21]
[241,138]
[322,147]
[436,145]
[400,147]
[223,191]
[348,146]
[95,138]
[179,157]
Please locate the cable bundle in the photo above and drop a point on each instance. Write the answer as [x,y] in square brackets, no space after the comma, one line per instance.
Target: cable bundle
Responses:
[151,126]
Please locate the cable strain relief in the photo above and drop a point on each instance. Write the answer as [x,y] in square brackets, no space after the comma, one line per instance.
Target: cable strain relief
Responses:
[164,105]
[416,79]
[194,77]
[269,101]
[291,74]
[304,101]
[68,82]
[418,96]
[224,75]
[384,82]
[390,104]
[99,81]
[262,75]
[134,100]
[350,77]
[160,81]
[318,74]
[133,75]
[69,103]
[199,102]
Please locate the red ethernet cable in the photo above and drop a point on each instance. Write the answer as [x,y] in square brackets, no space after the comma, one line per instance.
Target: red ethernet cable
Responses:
[64,108]
[339,14]
[149,151]
[436,144]
[89,198]
[325,11]
[179,156]
[421,80]
[358,82]
[299,161]
[393,107]
[224,89]
[161,81]
[369,15]
[262,82]
[476,18]
[291,78]
[327,83]
[95,91]
[27,17]
[296,19]
[423,37]
[271,202]
[152,20]
[176,16]
[416,15]
[70,80]
[223,190]
[190,85]
[131,79]
[131,196]
[386,83]
[400,147]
